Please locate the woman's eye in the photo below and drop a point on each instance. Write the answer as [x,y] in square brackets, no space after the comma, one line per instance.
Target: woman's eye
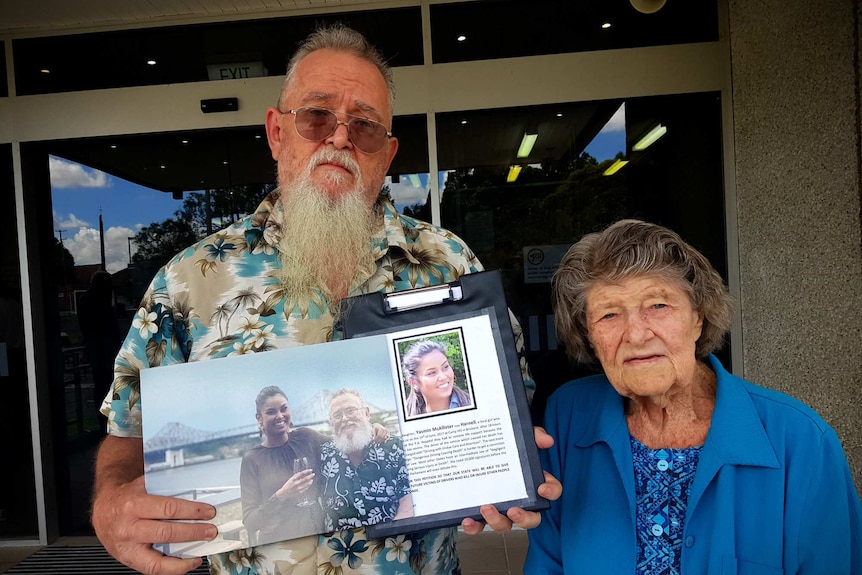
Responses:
[609,316]
[659,305]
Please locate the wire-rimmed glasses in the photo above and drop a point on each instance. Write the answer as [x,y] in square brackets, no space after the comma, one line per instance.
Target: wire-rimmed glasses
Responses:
[317,124]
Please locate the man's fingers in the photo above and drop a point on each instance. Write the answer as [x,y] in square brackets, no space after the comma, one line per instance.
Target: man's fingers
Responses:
[173,531]
[163,507]
[150,562]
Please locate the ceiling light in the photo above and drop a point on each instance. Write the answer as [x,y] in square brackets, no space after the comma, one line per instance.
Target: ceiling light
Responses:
[527,145]
[113,146]
[606,25]
[185,141]
[463,122]
[615,167]
[162,166]
[513,174]
[559,114]
[461,38]
[151,62]
[657,132]
[647,6]
[414,180]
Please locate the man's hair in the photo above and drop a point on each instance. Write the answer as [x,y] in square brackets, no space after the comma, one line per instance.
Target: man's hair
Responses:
[352,392]
[340,38]
[633,248]
[266,393]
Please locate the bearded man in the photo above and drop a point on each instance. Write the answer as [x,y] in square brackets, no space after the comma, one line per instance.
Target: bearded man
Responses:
[363,483]
[274,280]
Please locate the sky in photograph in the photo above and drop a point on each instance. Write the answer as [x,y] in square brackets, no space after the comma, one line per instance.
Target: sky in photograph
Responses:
[220,395]
[81,194]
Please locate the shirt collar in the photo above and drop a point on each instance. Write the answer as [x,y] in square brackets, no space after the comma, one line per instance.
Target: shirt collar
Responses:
[736,434]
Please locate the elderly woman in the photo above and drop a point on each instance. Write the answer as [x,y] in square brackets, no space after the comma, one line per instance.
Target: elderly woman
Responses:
[669,463]
[431,379]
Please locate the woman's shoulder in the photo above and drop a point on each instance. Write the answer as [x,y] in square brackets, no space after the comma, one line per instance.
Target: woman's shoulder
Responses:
[772,404]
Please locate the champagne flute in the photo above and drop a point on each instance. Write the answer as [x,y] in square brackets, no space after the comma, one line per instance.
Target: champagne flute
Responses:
[301,464]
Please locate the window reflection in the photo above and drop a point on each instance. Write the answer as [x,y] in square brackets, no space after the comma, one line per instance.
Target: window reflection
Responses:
[410,194]
[188,53]
[509,28]
[563,189]
[17,490]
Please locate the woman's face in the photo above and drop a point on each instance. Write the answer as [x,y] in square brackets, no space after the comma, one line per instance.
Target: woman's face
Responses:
[274,416]
[434,377]
[644,330]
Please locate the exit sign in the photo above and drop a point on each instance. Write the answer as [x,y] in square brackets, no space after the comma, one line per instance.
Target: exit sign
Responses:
[236,70]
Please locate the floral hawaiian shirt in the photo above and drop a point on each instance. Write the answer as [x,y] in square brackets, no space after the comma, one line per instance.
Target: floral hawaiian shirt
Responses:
[368,493]
[222,297]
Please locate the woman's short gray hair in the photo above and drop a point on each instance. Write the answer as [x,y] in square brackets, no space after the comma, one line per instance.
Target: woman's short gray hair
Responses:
[340,38]
[631,248]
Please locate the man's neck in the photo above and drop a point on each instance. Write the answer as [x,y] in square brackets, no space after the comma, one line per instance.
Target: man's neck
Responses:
[356,457]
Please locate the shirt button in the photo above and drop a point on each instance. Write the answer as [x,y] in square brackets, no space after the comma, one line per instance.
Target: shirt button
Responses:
[657,530]
[662,465]
[689,541]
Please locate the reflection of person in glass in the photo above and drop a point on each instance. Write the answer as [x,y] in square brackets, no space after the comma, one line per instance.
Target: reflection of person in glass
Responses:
[364,483]
[431,379]
[272,493]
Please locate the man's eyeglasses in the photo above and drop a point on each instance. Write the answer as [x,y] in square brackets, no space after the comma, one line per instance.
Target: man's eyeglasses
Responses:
[317,124]
[345,413]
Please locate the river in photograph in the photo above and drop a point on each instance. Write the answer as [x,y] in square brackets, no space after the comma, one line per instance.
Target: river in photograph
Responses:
[178,480]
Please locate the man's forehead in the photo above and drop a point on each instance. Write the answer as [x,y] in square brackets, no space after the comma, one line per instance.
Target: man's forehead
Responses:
[345,399]
[327,75]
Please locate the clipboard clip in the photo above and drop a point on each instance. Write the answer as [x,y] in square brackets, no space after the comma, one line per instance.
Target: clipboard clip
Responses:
[421,297]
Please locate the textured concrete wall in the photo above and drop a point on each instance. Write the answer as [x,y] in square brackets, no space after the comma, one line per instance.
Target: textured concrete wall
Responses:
[796,130]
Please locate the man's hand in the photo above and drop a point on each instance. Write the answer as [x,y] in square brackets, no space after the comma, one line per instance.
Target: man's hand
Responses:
[380,433]
[551,489]
[128,521]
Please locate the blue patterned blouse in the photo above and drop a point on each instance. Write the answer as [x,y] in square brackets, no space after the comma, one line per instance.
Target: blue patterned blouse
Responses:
[663,480]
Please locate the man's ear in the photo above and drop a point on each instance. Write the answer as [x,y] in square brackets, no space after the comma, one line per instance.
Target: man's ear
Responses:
[274,126]
[391,151]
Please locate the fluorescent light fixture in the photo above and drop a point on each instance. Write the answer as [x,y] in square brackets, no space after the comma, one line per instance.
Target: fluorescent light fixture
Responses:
[414,180]
[650,138]
[526,146]
[615,167]
[513,174]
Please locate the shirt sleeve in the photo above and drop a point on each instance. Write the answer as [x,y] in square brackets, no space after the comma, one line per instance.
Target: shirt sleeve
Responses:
[154,339]
[830,534]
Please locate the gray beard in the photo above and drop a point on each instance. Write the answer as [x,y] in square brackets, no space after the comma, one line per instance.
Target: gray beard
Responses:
[360,439]
[325,243]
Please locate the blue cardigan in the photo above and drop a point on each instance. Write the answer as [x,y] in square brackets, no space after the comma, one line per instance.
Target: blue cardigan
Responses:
[772,493]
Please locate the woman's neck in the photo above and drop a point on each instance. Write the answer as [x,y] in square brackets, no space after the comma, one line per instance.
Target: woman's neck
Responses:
[275,440]
[438,404]
[679,419]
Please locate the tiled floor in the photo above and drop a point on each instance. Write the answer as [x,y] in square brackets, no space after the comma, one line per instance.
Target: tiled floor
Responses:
[489,553]
[11,556]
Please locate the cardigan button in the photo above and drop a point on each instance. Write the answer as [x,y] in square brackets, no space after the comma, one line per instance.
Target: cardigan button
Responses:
[689,541]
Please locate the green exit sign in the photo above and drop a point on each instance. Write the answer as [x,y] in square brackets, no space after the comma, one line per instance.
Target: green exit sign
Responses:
[236,70]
